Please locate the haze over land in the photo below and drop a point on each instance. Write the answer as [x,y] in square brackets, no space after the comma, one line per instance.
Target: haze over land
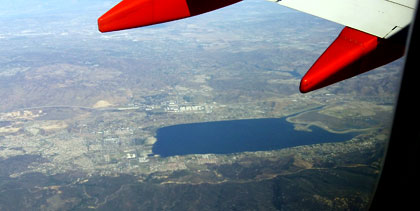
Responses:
[79,110]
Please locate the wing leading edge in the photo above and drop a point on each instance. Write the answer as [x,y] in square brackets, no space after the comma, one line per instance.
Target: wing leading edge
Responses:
[368,40]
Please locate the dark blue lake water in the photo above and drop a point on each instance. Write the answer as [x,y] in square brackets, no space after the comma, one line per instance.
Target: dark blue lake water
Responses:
[238,136]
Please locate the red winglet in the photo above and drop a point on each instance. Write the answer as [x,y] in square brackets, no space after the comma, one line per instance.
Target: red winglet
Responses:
[352,53]
[135,13]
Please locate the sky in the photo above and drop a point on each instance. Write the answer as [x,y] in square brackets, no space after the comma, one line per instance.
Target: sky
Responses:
[21,8]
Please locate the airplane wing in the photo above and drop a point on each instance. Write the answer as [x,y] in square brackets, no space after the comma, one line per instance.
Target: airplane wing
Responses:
[381,18]
[374,35]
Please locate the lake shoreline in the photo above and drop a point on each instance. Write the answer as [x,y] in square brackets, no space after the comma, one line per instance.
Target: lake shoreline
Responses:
[234,136]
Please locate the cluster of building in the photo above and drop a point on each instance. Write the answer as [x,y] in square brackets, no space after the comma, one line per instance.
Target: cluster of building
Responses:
[174,107]
[26,114]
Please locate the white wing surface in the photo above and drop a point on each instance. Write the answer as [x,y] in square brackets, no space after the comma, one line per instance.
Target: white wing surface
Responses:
[381,18]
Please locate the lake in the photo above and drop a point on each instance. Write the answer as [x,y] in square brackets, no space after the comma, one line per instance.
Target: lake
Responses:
[233,136]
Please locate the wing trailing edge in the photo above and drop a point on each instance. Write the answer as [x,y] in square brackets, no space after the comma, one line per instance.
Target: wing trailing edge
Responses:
[352,53]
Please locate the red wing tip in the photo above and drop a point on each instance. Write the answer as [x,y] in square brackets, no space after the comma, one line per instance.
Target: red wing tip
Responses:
[101,27]
[137,13]
[104,27]
[305,86]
